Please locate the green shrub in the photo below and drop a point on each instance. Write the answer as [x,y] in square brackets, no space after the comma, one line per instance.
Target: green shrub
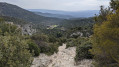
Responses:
[82,52]
[70,42]
[53,48]
[82,48]
[13,52]
[40,37]
[48,48]
[13,47]
[34,49]
[46,44]
[62,40]
[52,39]
[73,42]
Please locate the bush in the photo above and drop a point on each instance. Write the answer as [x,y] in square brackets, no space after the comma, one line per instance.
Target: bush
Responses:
[52,39]
[82,48]
[48,48]
[9,29]
[34,49]
[62,40]
[71,42]
[82,51]
[14,52]
[53,48]
[46,44]
[74,42]
[40,37]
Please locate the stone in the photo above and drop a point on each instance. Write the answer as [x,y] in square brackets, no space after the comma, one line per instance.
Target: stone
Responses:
[64,58]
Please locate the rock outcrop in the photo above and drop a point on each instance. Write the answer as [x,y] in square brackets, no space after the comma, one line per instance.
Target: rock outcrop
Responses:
[64,58]
[27,29]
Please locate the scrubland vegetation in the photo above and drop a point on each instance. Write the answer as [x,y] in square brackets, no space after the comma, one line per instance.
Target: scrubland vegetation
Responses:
[95,38]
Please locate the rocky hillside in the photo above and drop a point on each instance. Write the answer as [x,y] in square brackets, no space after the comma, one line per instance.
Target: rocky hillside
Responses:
[64,58]
[26,29]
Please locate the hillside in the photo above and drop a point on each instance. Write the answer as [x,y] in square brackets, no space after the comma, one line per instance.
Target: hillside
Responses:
[17,12]
[14,20]
[77,22]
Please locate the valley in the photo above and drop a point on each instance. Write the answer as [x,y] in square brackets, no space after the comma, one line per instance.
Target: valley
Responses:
[65,37]
[45,36]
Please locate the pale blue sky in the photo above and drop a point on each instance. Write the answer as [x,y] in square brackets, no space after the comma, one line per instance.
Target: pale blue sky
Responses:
[66,5]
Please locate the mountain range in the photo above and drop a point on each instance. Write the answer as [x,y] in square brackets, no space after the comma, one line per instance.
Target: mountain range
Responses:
[65,14]
[54,15]
[43,17]
[15,11]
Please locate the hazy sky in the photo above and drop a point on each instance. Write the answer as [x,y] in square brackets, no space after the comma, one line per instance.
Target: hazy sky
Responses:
[66,5]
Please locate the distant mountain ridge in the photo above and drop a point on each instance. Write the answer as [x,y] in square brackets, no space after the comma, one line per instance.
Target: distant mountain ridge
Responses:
[18,12]
[74,14]
[54,15]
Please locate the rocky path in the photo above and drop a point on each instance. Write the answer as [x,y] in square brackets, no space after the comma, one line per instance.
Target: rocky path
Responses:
[64,58]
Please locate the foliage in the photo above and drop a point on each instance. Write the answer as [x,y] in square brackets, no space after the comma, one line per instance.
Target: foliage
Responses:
[76,32]
[34,48]
[78,22]
[14,52]
[39,37]
[62,40]
[53,48]
[14,20]
[72,42]
[106,40]
[13,47]
[114,4]
[45,44]
[82,51]
[52,39]
[102,14]
[80,41]
[7,28]
[83,45]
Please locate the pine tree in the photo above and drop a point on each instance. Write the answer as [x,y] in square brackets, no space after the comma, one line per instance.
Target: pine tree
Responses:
[114,4]
[106,40]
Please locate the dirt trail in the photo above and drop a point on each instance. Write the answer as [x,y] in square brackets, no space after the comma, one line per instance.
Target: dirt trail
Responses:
[64,58]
